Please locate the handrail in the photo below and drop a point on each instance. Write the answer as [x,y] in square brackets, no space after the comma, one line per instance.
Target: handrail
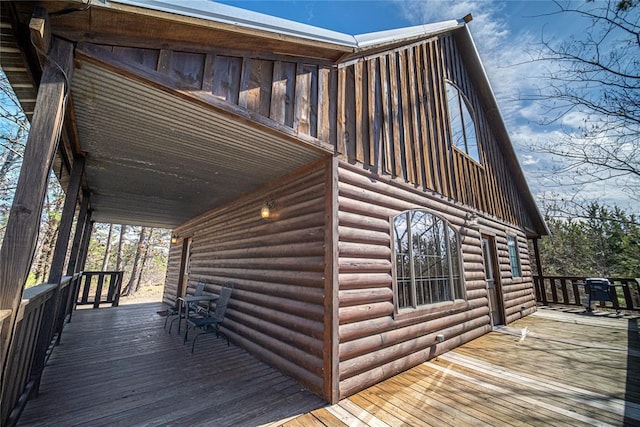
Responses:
[571,290]
[27,349]
[38,326]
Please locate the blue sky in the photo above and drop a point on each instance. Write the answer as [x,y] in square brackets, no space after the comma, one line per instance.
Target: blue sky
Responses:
[506,34]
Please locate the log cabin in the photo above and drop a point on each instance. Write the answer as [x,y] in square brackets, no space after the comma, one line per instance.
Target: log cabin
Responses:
[360,192]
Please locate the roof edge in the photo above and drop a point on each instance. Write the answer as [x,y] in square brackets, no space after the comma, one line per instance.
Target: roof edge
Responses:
[381,38]
[501,128]
[241,18]
[278,27]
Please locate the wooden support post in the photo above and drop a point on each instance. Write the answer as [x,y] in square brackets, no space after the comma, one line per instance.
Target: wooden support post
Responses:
[68,211]
[21,233]
[77,236]
[541,287]
[75,251]
[84,248]
[331,377]
[62,244]
[40,33]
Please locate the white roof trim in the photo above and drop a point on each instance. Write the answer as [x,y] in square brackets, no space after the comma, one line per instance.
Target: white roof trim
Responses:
[222,13]
[391,36]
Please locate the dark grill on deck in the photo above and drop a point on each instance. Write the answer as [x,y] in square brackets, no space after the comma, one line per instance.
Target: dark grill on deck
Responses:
[598,290]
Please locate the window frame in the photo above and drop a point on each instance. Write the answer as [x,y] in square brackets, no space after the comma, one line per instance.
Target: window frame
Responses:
[462,99]
[514,256]
[457,291]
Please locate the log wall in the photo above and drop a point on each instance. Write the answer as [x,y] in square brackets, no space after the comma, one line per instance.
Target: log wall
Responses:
[277,267]
[376,342]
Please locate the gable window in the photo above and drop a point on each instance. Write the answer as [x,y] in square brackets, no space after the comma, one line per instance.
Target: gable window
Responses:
[514,257]
[463,127]
[427,260]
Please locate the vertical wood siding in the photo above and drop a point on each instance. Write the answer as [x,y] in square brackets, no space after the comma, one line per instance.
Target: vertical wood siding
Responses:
[398,99]
[290,91]
[387,112]
[375,343]
[277,267]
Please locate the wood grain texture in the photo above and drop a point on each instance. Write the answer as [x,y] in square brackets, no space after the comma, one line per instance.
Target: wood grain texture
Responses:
[492,380]
[22,226]
[276,265]
[392,104]
[374,341]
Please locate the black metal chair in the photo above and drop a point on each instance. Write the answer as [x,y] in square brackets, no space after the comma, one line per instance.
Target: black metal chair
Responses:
[211,324]
[175,310]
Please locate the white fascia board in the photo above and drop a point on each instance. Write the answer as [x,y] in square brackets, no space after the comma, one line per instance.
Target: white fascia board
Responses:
[392,36]
[222,13]
[230,15]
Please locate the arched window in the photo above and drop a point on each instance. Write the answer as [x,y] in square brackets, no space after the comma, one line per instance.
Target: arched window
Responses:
[463,128]
[427,260]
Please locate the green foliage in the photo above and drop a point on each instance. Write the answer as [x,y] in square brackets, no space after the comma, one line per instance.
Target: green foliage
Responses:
[602,242]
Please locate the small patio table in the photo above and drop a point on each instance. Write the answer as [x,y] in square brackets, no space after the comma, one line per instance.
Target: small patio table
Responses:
[183,304]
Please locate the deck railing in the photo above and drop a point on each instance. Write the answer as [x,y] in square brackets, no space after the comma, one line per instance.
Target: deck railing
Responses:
[40,320]
[38,326]
[104,290]
[571,290]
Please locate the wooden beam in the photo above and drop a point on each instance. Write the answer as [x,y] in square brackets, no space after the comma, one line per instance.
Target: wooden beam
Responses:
[68,211]
[77,236]
[86,236]
[21,233]
[330,354]
[40,31]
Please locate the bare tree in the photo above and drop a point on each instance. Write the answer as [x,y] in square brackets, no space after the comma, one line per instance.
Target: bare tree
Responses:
[48,233]
[14,128]
[132,285]
[592,89]
[145,258]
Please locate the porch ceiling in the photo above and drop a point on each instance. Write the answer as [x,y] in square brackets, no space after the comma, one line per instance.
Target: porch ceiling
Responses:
[157,159]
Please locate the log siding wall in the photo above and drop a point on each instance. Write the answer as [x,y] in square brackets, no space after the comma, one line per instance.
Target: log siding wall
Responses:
[376,343]
[314,289]
[277,267]
[387,112]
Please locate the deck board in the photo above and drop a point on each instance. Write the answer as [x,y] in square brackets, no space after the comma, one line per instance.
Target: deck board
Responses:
[554,368]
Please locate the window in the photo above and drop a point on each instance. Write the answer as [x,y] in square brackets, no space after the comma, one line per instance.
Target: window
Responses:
[514,258]
[427,257]
[463,128]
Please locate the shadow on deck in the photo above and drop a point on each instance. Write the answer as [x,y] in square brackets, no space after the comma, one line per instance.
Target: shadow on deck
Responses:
[118,367]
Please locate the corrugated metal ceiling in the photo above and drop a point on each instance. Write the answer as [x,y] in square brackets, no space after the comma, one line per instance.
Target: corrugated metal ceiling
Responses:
[158,160]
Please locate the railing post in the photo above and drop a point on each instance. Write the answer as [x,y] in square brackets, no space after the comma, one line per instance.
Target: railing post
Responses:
[120,275]
[554,291]
[42,346]
[565,291]
[576,292]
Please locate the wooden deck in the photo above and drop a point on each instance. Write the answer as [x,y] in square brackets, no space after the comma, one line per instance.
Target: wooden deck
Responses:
[117,366]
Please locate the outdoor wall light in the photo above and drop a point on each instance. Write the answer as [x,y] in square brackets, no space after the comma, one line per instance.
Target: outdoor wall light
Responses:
[472,219]
[266,210]
[174,239]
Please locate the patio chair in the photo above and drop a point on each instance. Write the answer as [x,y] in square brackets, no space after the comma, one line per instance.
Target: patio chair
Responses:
[193,308]
[210,324]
